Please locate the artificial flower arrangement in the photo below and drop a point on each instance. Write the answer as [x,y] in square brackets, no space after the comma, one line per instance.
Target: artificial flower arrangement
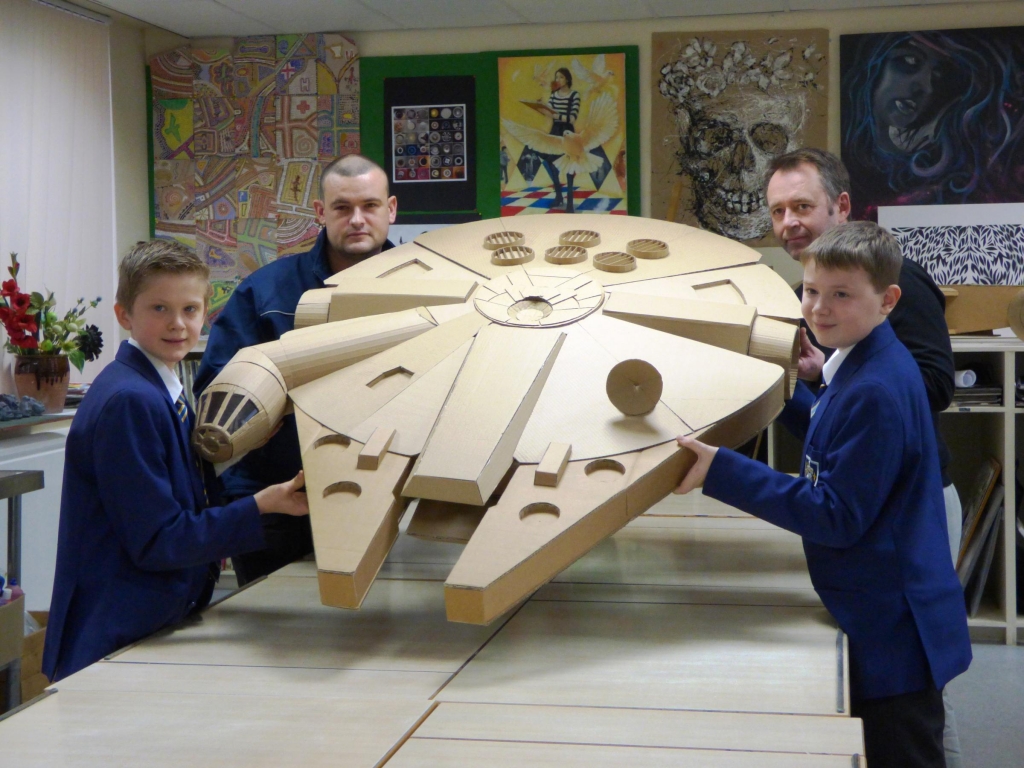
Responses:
[34,328]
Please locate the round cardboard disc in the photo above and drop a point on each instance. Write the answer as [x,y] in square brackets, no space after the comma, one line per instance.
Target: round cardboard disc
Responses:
[584,238]
[615,261]
[647,248]
[511,255]
[634,387]
[503,240]
[565,254]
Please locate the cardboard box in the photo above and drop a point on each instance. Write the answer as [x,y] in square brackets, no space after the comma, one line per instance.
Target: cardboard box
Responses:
[12,630]
[32,649]
[33,686]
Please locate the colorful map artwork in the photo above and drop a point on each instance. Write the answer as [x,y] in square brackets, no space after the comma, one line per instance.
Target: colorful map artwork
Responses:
[296,65]
[256,244]
[256,187]
[299,187]
[337,126]
[429,143]
[222,290]
[255,124]
[215,185]
[214,124]
[337,66]
[242,128]
[174,189]
[216,245]
[296,132]
[172,128]
[183,232]
[255,65]
[296,234]
[215,72]
[171,74]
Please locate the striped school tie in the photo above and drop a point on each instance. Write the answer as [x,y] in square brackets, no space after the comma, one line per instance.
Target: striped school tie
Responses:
[182,407]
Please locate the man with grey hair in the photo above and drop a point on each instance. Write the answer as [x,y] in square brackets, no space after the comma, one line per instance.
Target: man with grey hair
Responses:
[355,211]
[807,193]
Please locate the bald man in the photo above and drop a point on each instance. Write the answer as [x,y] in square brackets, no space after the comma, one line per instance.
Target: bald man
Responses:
[355,211]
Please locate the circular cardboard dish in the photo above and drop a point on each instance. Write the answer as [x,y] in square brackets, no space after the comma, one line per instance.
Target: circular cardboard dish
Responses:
[511,255]
[615,261]
[647,248]
[503,239]
[584,238]
[565,254]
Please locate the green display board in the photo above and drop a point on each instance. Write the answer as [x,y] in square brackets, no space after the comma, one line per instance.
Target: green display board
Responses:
[486,132]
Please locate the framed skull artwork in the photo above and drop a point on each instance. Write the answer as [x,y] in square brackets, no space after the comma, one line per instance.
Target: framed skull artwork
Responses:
[724,104]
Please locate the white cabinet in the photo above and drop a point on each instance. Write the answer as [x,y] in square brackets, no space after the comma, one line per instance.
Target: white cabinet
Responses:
[40,511]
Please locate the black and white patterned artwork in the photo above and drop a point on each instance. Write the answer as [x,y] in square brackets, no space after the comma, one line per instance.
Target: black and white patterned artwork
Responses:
[986,254]
[961,244]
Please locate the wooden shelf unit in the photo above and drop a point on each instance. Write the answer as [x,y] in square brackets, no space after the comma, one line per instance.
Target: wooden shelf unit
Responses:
[972,433]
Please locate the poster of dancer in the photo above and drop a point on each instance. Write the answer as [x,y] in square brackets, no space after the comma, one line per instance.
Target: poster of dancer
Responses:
[723,105]
[563,134]
[933,117]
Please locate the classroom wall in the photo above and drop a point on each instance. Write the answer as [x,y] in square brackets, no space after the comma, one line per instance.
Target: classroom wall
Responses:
[468,40]
[129,42]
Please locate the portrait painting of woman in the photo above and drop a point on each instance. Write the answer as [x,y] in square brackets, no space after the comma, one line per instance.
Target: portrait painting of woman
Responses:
[933,117]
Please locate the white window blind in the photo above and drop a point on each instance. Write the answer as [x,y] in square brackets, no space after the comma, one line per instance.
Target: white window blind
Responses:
[56,161]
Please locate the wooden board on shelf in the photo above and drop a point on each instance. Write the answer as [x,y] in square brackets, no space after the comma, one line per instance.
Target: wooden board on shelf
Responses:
[696,657]
[453,753]
[100,729]
[280,622]
[670,729]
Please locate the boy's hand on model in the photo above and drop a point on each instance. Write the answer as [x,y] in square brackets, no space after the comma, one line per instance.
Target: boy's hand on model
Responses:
[285,498]
[811,360]
[699,471]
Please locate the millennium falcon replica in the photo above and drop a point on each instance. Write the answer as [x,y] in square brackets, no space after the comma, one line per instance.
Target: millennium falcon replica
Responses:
[522,379]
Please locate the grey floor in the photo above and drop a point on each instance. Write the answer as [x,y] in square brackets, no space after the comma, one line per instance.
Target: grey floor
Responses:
[989,703]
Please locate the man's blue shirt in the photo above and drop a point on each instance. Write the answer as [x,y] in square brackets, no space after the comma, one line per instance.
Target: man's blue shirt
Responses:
[261,309]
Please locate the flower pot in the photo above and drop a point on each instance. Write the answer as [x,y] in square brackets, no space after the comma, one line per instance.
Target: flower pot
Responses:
[44,377]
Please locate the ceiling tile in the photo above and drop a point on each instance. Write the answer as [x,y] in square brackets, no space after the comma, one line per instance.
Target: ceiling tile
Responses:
[430,14]
[315,15]
[667,8]
[575,11]
[190,18]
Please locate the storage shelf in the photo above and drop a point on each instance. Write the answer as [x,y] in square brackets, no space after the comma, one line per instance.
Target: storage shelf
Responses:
[994,621]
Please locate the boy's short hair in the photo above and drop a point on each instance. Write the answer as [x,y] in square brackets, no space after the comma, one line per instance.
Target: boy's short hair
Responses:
[156,257]
[858,245]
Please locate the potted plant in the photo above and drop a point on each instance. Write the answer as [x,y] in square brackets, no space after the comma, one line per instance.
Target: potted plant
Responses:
[44,344]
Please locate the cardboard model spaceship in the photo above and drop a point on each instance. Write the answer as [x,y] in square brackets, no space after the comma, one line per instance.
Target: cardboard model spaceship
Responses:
[524,379]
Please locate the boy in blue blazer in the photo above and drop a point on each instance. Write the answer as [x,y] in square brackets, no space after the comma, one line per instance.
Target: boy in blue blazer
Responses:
[138,540]
[868,503]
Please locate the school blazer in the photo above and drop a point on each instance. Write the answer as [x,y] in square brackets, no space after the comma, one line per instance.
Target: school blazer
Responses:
[870,510]
[135,545]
